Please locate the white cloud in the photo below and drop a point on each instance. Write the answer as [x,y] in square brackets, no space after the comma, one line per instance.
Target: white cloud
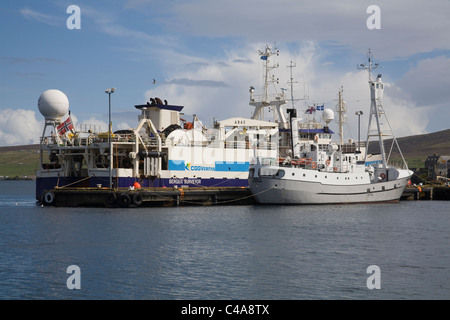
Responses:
[122,126]
[19,127]
[425,89]
[41,17]
[428,83]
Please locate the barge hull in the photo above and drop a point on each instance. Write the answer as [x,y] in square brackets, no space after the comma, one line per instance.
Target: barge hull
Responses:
[124,198]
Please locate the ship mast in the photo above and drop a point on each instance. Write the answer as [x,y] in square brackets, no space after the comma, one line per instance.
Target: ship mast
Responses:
[291,83]
[376,108]
[376,112]
[266,100]
[341,111]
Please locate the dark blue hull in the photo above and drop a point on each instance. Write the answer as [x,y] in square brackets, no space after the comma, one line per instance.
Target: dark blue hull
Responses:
[49,183]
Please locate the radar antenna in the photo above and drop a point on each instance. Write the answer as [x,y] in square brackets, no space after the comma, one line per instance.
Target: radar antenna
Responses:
[370,65]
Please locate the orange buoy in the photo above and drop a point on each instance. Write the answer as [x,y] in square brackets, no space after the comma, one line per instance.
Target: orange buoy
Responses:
[136,185]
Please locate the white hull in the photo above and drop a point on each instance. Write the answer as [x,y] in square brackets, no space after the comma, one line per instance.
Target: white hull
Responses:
[274,190]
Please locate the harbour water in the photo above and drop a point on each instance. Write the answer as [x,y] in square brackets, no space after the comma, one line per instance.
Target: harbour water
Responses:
[223,252]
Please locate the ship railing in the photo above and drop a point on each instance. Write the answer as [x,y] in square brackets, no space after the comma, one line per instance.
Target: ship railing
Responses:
[52,142]
[270,98]
[397,164]
[249,145]
[305,163]
[114,138]
[48,141]
[237,145]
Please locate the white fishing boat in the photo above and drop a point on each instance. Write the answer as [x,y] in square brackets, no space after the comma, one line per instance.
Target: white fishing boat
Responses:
[321,171]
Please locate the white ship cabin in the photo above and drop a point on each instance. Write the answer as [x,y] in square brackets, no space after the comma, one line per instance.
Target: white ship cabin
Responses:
[161,115]
[243,133]
[314,149]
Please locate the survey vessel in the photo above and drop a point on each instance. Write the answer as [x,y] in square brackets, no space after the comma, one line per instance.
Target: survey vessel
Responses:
[163,150]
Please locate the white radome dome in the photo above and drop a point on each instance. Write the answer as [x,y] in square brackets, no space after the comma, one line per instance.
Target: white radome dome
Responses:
[53,104]
[328,115]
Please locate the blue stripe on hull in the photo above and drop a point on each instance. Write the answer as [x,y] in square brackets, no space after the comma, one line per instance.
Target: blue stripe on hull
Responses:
[50,183]
[180,165]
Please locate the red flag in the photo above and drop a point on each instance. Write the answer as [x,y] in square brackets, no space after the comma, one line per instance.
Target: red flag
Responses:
[310,110]
[65,126]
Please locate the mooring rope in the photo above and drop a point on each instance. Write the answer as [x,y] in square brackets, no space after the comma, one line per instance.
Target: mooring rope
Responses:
[217,202]
[249,196]
[69,184]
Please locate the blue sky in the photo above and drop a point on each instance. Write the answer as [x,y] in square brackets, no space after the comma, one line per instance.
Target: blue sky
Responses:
[204,56]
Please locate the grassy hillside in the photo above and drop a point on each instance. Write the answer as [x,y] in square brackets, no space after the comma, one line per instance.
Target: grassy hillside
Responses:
[417,148]
[19,161]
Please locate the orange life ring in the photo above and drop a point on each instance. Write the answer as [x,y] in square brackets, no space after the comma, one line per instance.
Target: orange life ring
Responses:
[314,165]
[328,163]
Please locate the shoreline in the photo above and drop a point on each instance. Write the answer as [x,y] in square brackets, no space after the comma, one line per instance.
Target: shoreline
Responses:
[31,177]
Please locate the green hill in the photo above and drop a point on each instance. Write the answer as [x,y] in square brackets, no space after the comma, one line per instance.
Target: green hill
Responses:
[417,148]
[19,161]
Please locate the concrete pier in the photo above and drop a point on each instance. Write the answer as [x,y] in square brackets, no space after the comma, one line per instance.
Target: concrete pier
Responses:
[426,193]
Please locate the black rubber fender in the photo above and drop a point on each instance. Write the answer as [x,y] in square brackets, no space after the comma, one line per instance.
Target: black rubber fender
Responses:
[124,200]
[137,199]
[111,198]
